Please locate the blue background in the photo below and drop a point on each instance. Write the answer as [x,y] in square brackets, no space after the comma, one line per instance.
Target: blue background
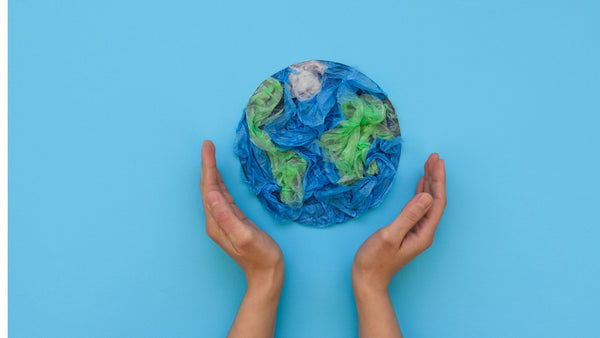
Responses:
[109,102]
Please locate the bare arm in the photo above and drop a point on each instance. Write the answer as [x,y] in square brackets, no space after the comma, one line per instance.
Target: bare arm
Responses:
[392,247]
[250,247]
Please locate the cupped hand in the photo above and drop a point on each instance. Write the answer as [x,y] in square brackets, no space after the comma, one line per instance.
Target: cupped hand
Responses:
[251,248]
[393,246]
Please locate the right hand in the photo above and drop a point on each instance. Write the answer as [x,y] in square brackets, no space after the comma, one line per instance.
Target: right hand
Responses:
[393,246]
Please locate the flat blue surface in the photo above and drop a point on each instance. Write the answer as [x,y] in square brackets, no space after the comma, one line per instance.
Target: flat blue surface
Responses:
[109,102]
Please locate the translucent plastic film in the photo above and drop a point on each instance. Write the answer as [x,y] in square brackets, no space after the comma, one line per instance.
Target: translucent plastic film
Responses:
[319,143]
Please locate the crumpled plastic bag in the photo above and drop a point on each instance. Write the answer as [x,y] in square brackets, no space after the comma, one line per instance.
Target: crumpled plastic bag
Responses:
[319,143]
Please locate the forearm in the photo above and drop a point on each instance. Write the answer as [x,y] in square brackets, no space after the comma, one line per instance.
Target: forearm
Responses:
[376,316]
[257,313]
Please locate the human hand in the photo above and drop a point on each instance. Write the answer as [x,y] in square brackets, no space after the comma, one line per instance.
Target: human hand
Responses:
[392,247]
[251,248]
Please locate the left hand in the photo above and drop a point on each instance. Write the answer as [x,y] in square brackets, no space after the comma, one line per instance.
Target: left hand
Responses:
[251,248]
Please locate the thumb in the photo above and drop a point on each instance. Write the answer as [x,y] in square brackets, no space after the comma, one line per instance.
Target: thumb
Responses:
[222,212]
[412,213]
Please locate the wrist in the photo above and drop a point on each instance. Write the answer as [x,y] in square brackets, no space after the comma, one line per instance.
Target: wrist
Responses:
[368,285]
[368,292]
[258,310]
[266,283]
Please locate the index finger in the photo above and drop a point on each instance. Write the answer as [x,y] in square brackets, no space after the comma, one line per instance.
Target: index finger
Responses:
[209,176]
[432,218]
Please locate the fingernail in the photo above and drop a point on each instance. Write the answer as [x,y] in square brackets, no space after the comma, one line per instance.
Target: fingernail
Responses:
[213,199]
[424,200]
[208,144]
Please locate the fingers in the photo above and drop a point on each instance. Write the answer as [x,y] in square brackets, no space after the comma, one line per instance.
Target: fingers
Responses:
[238,212]
[438,181]
[428,166]
[209,180]
[224,220]
[426,175]
[420,185]
[221,211]
[223,188]
[431,220]
[410,215]
[434,182]
[224,215]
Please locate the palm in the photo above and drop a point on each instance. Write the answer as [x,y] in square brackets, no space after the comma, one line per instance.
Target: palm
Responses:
[393,246]
[232,230]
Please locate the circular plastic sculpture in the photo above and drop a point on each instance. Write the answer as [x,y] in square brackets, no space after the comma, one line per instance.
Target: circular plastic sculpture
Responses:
[319,143]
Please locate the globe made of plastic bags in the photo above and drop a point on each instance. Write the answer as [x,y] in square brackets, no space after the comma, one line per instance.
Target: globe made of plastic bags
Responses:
[319,143]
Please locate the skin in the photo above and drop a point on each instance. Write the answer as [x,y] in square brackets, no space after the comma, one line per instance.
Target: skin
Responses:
[250,247]
[375,263]
[390,248]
